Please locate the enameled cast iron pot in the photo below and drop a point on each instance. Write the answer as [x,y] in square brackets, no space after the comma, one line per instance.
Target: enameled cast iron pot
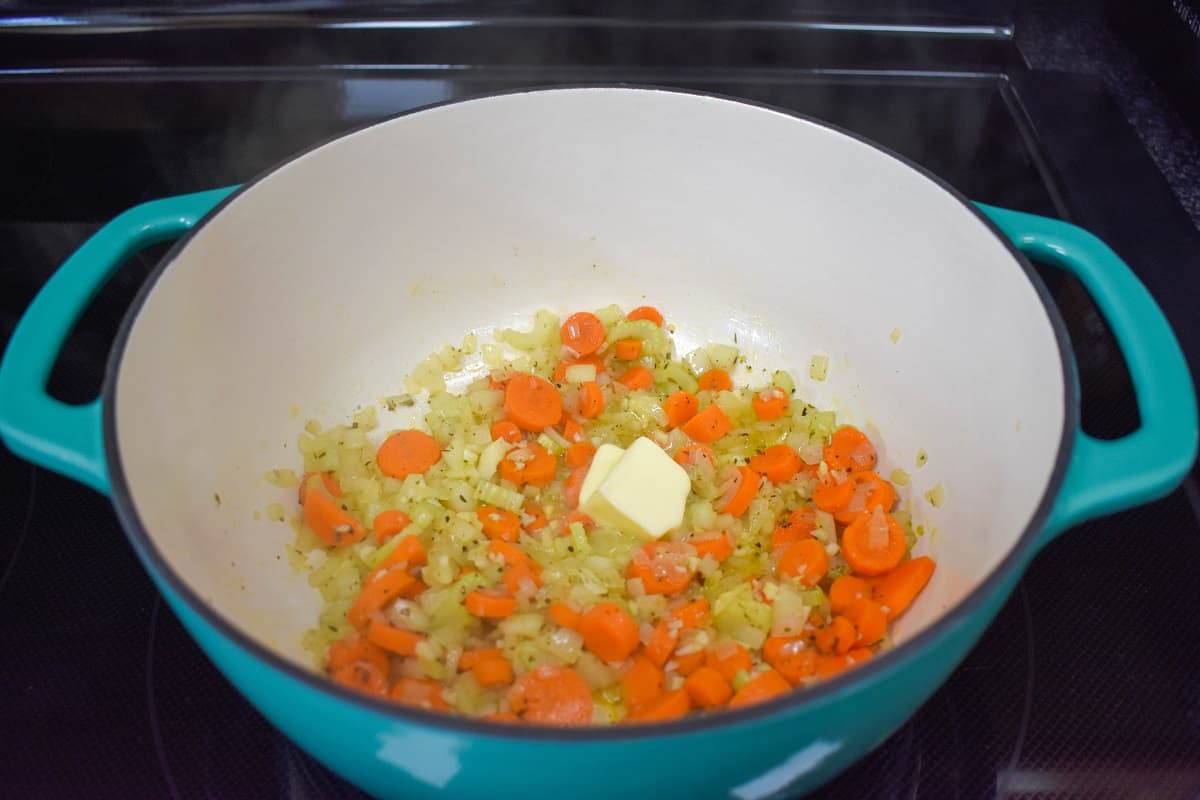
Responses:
[322,282]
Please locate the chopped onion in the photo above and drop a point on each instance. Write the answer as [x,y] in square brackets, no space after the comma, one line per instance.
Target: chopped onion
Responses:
[877,530]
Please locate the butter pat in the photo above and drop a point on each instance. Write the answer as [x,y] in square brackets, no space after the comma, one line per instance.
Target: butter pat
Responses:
[603,460]
[643,492]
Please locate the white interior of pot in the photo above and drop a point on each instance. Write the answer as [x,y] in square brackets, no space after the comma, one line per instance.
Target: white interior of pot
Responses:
[322,285]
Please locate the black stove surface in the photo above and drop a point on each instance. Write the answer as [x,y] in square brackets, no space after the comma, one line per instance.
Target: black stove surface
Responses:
[1088,682]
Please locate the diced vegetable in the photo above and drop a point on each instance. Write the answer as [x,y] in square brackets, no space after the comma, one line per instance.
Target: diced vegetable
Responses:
[458,572]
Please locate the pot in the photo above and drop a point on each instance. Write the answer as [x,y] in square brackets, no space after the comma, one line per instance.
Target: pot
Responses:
[319,284]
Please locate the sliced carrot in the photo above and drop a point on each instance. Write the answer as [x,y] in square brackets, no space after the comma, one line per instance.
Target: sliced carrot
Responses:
[692,454]
[770,404]
[874,543]
[537,470]
[409,452]
[627,349]
[591,400]
[778,463]
[377,592]
[518,576]
[641,682]
[849,448]
[579,454]
[870,490]
[707,426]
[552,695]
[806,560]
[394,640]
[572,431]
[708,688]
[648,313]
[532,402]
[737,498]
[846,590]
[715,380]
[663,567]
[389,523]
[499,523]
[354,648]
[720,548]
[838,637]
[870,620]
[609,632]
[637,378]
[798,525]
[507,430]
[729,658]
[896,590]
[409,552]
[564,616]
[419,693]
[472,658]
[662,642]
[573,485]
[510,554]
[583,332]
[560,371]
[760,688]
[332,524]
[791,657]
[538,520]
[664,708]
[327,480]
[859,655]
[679,408]
[688,663]
[494,671]
[362,676]
[694,614]
[487,605]
[831,496]
[830,665]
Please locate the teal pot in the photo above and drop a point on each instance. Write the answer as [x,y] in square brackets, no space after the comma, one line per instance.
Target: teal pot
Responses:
[319,284]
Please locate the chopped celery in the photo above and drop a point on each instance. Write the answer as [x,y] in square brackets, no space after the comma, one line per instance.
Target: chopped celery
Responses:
[823,424]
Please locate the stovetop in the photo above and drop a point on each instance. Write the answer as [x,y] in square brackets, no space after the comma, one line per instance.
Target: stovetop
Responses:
[1088,682]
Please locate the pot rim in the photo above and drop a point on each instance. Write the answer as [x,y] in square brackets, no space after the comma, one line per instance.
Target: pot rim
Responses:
[1023,547]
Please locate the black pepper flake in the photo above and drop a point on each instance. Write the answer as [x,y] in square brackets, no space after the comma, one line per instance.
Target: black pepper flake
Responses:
[462,499]
[217,499]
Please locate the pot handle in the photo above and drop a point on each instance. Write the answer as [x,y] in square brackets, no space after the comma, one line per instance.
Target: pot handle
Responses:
[69,439]
[1108,476]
